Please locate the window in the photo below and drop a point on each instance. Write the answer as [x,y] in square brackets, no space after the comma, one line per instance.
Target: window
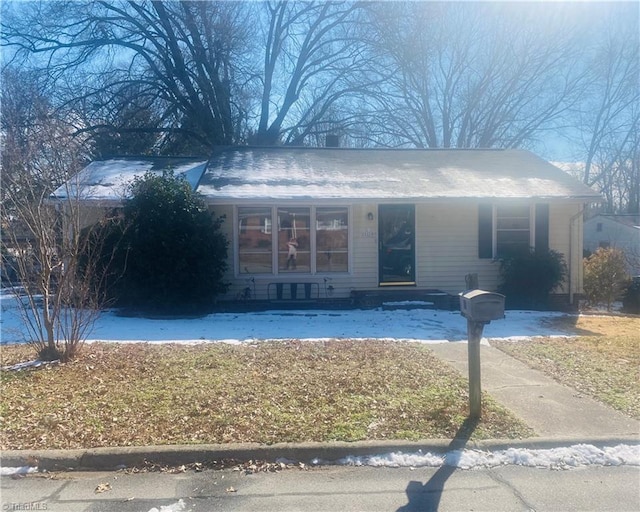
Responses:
[297,240]
[599,227]
[254,240]
[294,253]
[513,229]
[332,240]
[505,229]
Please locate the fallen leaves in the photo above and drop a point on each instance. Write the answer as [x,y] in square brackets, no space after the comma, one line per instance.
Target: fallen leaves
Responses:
[102,488]
[289,391]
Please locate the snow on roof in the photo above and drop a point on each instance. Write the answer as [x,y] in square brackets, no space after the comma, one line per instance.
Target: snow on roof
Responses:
[250,173]
[108,180]
[339,173]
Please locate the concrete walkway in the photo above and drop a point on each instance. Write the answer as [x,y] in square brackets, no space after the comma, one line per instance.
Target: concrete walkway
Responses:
[551,409]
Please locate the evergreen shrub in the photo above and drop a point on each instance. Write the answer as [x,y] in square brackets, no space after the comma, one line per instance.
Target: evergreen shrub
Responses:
[172,256]
[528,277]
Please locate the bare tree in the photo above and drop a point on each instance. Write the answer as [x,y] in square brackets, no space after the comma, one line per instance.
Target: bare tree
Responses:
[314,60]
[470,75]
[44,241]
[181,69]
[178,56]
[608,119]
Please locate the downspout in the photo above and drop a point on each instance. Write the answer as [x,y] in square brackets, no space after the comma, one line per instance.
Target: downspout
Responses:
[572,222]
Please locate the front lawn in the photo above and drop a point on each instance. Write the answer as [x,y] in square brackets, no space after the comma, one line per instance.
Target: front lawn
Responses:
[603,363]
[144,394]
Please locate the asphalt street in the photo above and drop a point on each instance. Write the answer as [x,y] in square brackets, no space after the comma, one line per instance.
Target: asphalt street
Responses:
[332,488]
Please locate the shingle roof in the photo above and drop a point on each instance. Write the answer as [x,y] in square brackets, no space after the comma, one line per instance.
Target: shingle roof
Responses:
[107,180]
[338,173]
[261,173]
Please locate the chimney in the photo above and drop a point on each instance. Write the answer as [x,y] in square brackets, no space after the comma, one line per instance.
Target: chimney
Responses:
[332,141]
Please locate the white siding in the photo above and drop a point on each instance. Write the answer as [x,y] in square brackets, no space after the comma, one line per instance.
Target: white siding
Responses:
[446,250]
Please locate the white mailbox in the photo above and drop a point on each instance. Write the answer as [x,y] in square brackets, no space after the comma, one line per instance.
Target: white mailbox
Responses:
[481,306]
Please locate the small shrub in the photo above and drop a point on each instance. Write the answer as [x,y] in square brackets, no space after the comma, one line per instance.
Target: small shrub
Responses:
[528,277]
[631,299]
[604,276]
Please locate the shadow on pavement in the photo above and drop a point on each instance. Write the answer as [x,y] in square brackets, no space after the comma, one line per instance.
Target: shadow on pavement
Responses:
[426,497]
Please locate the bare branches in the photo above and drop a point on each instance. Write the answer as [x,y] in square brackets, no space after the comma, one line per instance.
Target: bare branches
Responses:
[312,60]
[43,242]
[610,121]
[192,75]
[181,51]
[463,78]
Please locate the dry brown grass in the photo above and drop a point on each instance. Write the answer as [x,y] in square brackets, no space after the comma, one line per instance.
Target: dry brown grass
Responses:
[604,362]
[144,394]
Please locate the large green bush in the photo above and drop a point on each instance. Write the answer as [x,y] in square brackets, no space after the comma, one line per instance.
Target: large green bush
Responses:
[528,277]
[605,276]
[173,252]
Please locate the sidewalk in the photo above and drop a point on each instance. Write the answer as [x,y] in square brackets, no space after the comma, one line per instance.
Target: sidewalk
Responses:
[558,415]
[554,411]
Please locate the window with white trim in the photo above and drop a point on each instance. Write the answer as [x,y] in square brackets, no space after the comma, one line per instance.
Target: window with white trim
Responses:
[508,228]
[255,247]
[293,240]
[513,229]
[332,239]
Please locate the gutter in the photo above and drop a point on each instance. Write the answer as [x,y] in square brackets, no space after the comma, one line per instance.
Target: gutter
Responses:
[572,222]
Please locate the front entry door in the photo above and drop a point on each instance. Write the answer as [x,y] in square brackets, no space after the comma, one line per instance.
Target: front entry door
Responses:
[396,244]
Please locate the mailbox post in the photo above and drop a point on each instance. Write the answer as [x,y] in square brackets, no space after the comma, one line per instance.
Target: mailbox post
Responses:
[479,307]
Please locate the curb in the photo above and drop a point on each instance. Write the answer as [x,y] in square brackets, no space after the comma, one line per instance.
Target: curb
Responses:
[105,459]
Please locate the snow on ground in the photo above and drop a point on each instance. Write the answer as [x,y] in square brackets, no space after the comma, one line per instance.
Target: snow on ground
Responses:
[418,324]
[180,506]
[429,326]
[22,470]
[553,458]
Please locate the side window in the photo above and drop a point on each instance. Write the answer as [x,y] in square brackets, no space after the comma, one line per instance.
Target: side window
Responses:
[505,229]
[513,229]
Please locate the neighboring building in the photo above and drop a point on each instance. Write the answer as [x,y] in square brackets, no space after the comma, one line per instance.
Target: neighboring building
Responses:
[615,231]
[372,219]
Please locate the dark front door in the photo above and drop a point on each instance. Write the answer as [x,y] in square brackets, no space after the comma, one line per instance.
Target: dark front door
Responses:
[396,240]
